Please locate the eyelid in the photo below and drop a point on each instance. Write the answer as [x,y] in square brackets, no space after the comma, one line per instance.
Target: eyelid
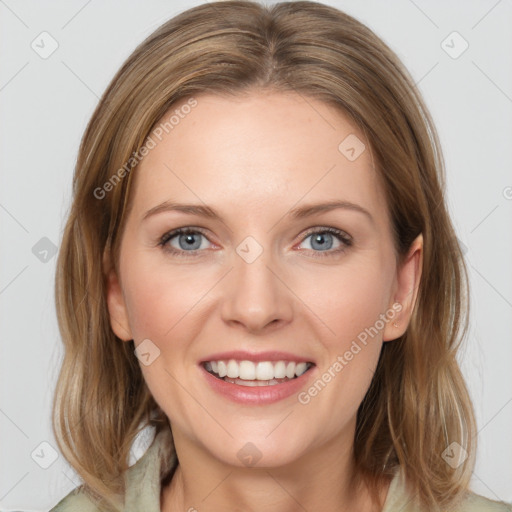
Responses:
[166,237]
[326,229]
[181,231]
[345,239]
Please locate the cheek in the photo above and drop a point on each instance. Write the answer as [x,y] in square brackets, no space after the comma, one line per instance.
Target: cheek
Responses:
[159,296]
[163,306]
[348,300]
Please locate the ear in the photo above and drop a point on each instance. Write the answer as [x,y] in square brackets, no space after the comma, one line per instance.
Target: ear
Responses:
[406,290]
[116,302]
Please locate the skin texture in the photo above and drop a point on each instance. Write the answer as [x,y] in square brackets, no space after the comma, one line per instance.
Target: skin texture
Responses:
[253,158]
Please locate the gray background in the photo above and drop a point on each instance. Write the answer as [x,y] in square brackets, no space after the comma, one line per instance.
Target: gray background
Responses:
[46,102]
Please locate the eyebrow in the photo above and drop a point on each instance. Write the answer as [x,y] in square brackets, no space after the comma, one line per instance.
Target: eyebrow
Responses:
[295,213]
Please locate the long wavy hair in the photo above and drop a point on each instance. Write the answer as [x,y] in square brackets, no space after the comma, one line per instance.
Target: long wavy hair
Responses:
[418,402]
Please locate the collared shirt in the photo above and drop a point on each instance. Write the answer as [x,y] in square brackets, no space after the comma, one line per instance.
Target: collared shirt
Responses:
[143,489]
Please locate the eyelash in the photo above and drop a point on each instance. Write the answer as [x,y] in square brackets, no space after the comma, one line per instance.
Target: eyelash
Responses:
[343,237]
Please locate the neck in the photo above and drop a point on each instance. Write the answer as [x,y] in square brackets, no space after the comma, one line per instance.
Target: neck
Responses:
[321,478]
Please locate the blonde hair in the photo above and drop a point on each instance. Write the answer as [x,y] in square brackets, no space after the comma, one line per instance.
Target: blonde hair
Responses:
[417,403]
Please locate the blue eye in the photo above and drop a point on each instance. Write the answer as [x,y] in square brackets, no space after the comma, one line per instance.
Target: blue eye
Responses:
[188,242]
[322,241]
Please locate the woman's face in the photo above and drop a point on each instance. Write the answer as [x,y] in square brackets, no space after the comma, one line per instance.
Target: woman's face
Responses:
[265,282]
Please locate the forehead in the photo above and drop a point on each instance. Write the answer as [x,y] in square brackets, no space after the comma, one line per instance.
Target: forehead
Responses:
[261,149]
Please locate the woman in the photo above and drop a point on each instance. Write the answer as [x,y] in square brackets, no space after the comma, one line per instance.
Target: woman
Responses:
[259,265]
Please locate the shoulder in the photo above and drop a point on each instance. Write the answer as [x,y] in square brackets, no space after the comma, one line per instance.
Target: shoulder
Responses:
[75,501]
[398,498]
[476,503]
[142,481]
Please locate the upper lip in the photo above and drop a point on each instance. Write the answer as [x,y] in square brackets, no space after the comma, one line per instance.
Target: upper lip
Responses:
[242,355]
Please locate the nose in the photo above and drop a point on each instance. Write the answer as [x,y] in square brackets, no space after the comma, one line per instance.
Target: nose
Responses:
[256,296]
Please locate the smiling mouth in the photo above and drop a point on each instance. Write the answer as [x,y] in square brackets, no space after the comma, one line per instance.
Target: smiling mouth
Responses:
[263,373]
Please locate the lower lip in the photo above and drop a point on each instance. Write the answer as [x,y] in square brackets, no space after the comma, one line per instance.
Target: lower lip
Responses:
[258,395]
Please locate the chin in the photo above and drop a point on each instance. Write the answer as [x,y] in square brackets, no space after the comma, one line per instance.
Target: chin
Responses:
[260,451]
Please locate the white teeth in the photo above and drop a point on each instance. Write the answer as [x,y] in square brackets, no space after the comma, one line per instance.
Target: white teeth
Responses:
[232,369]
[247,370]
[290,370]
[263,371]
[280,370]
[252,383]
[300,369]
[222,370]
